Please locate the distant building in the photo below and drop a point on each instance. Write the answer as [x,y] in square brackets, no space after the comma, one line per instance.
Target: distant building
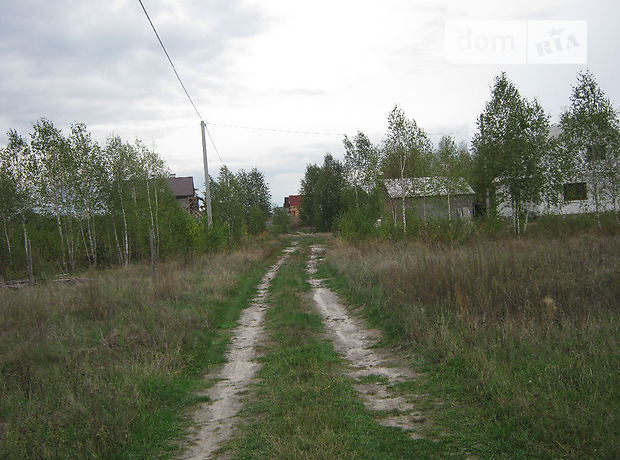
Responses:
[430,197]
[579,193]
[185,194]
[292,204]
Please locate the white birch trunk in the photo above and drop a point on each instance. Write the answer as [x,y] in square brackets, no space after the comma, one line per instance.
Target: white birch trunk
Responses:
[6,235]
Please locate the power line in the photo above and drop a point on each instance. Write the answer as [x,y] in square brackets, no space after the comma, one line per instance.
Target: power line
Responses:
[179,79]
[276,130]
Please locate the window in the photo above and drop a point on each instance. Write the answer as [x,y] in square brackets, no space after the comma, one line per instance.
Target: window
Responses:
[595,152]
[575,191]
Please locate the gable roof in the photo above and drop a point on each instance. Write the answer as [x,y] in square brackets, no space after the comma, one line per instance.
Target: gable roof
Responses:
[182,186]
[425,186]
[294,200]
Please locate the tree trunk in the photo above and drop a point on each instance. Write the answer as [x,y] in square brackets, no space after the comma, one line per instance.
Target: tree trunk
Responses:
[157,219]
[86,249]
[527,216]
[62,243]
[70,243]
[92,239]
[596,204]
[488,204]
[6,235]
[148,194]
[126,237]
[28,254]
[118,246]
[449,210]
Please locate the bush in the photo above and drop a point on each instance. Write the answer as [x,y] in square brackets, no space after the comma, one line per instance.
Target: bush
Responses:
[281,221]
[356,224]
[257,221]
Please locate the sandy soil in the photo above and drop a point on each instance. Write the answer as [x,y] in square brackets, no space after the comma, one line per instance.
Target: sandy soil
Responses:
[372,369]
[215,419]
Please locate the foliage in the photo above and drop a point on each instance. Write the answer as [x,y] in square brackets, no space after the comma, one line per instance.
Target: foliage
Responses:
[321,190]
[240,201]
[77,204]
[281,221]
[257,221]
[591,138]
[361,161]
[355,224]
[512,149]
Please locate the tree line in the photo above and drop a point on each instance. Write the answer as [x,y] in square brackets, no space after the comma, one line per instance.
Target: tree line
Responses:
[67,203]
[513,159]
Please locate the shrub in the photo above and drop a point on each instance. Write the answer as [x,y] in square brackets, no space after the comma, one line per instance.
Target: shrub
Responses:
[281,221]
[355,224]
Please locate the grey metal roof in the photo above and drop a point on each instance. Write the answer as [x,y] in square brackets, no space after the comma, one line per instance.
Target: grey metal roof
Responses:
[425,186]
[181,186]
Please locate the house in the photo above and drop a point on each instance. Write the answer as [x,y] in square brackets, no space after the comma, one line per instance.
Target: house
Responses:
[183,190]
[292,204]
[430,197]
[579,194]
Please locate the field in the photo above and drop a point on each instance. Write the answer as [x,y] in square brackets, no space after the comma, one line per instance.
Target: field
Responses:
[105,367]
[518,340]
[512,345]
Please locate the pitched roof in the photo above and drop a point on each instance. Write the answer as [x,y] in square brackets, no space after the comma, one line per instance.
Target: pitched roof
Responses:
[425,186]
[294,200]
[181,186]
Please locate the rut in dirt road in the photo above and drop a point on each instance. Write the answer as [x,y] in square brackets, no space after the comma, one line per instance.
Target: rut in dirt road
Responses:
[215,419]
[367,363]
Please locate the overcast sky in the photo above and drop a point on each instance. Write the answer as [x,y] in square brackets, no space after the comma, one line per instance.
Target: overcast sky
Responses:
[324,68]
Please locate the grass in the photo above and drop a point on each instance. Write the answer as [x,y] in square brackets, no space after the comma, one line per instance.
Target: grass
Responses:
[106,367]
[302,406]
[518,339]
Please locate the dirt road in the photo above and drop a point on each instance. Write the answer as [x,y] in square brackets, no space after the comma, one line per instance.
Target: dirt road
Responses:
[372,369]
[215,419]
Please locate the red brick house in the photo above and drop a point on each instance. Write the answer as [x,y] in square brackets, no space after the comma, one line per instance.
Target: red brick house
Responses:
[292,204]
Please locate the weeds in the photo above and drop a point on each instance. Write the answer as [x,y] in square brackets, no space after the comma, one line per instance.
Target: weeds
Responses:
[521,337]
[304,407]
[104,367]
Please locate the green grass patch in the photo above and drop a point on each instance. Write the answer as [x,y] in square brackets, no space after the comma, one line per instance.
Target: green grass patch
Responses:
[302,405]
[107,368]
[517,340]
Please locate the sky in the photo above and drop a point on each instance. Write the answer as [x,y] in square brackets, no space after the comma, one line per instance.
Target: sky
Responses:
[280,82]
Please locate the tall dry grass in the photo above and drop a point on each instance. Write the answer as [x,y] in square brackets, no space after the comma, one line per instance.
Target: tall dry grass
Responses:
[103,367]
[524,333]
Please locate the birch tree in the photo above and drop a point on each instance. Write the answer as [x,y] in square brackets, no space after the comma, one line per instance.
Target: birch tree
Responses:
[361,163]
[18,168]
[511,147]
[407,152]
[591,136]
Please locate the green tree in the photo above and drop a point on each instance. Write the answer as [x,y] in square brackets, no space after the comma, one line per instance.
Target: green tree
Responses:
[450,165]
[591,137]
[18,169]
[511,149]
[361,164]
[407,152]
[321,190]
[281,220]
[228,204]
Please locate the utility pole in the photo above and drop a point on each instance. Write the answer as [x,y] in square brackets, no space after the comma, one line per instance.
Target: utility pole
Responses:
[207,179]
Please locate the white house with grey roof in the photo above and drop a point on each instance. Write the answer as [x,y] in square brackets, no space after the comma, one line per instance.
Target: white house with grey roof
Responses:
[433,196]
[581,193]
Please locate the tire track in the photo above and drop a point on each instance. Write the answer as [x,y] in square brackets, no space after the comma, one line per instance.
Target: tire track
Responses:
[371,369]
[215,419]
